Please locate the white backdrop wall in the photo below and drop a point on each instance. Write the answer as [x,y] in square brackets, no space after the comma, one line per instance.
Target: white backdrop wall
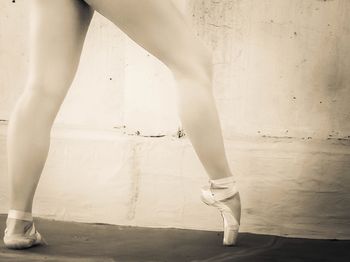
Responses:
[282,89]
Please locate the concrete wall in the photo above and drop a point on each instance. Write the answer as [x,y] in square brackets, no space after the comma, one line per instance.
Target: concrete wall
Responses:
[282,89]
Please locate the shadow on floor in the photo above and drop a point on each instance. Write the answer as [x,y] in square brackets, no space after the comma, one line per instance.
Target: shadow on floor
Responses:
[90,242]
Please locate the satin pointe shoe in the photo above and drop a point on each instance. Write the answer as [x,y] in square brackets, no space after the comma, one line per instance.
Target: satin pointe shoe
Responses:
[31,237]
[218,194]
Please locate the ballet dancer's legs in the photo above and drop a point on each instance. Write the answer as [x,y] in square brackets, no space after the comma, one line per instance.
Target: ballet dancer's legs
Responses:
[57,33]
[157,26]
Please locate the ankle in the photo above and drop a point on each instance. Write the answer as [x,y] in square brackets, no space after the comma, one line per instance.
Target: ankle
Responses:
[18,221]
[16,226]
[224,182]
[19,214]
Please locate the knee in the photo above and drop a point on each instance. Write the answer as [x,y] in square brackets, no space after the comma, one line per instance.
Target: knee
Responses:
[196,65]
[40,101]
[41,93]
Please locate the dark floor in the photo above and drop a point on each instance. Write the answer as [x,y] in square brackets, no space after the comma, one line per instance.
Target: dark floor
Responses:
[90,242]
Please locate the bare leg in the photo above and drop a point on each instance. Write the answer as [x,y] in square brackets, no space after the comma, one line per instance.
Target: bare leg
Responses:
[58,30]
[159,27]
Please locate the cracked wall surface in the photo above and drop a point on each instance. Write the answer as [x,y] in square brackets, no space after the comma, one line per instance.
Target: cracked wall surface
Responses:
[281,84]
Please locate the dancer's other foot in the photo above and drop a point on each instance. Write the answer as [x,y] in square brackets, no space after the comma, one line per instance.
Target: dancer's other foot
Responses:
[20,232]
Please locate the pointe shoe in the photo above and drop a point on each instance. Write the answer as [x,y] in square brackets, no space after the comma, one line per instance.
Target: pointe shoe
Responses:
[31,236]
[215,195]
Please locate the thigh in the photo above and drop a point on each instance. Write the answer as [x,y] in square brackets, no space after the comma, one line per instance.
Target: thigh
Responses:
[156,25]
[57,33]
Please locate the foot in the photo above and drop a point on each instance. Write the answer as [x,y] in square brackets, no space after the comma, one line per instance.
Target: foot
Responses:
[222,194]
[20,231]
